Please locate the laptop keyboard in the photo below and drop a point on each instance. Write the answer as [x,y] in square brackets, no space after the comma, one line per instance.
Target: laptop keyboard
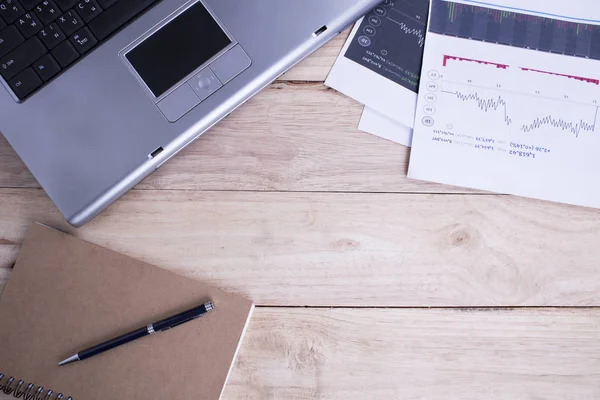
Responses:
[41,39]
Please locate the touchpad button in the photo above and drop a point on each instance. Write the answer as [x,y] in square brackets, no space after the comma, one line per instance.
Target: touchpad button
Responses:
[178,103]
[205,83]
[231,64]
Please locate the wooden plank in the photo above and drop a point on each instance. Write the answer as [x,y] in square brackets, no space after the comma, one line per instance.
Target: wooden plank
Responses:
[291,137]
[336,249]
[316,67]
[13,172]
[525,354]
[419,354]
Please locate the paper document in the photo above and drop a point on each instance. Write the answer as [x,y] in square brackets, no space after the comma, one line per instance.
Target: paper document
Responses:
[380,63]
[509,99]
[377,124]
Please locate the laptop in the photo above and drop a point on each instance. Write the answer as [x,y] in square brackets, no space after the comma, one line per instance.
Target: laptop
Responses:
[95,95]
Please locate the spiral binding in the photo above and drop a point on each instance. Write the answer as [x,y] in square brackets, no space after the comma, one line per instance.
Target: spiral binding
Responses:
[11,386]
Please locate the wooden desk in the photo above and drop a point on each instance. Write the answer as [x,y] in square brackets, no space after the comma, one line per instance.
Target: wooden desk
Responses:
[370,285]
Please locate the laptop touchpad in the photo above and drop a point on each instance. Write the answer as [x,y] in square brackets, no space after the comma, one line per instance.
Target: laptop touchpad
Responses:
[178,48]
[186,60]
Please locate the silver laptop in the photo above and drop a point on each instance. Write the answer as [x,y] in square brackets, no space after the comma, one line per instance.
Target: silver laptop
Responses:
[98,94]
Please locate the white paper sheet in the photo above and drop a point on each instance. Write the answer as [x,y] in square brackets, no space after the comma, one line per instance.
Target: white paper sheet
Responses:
[509,99]
[379,125]
[380,63]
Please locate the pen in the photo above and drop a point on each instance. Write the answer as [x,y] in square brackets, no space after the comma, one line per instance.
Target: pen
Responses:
[159,326]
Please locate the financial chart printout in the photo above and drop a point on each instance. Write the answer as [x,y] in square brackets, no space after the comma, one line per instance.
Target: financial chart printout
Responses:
[509,98]
[390,41]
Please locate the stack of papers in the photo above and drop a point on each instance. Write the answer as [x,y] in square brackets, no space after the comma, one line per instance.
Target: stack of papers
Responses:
[380,66]
[508,99]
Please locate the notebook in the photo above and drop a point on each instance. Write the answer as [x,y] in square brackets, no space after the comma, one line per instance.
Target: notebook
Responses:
[65,295]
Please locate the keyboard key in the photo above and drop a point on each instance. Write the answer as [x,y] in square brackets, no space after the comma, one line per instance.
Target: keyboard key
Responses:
[69,22]
[29,24]
[106,3]
[9,39]
[29,4]
[25,83]
[46,67]
[10,10]
[65,54]
[88,10]
[116,16]
[51,35]
[47,11]
[66,4]
[40,38]
[21,57]
[83,40]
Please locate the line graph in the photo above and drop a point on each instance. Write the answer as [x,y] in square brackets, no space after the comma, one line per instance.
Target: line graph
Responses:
[418,32]
[390,41]
[484,104]
[498,103]
[448,58]
[559,123]
[510,99]
[577,78]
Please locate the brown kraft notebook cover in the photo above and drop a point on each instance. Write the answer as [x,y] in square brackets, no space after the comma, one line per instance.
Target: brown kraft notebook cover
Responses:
[66,295]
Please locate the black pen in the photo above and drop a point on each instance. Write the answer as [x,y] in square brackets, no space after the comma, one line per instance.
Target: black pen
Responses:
[159,326]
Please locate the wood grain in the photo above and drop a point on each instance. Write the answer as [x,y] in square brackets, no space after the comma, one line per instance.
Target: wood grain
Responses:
[400,246]
[419,355]
[291,137]
[463,354]
[336,249]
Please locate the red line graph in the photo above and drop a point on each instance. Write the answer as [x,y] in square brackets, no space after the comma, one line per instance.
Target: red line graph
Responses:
[577,78]
[448,58]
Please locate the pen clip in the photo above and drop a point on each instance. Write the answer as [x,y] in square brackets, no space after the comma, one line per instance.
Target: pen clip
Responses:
[166,328]
[183,317]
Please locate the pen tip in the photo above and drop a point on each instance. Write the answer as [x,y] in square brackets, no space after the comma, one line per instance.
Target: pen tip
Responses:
[69,360]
